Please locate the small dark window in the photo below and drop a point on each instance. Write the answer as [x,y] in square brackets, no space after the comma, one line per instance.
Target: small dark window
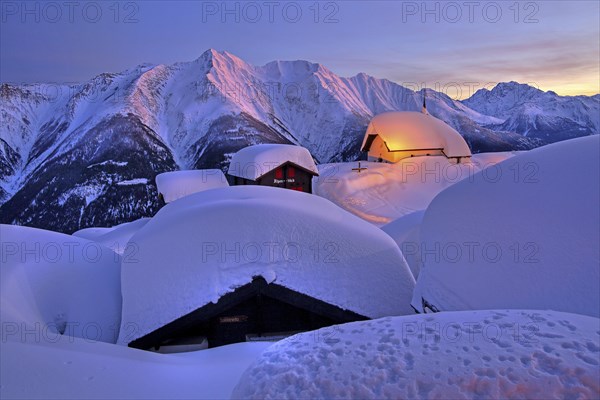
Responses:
[278,173]
[291,172]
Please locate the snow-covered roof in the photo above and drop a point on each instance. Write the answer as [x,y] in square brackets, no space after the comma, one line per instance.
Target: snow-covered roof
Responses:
[176,184]
[203,246]
[252,162]
[52,283]
[410,130]
[454,355]
[521,234]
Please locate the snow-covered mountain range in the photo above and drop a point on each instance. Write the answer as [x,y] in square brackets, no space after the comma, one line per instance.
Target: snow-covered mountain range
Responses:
[537,114]
[73,156]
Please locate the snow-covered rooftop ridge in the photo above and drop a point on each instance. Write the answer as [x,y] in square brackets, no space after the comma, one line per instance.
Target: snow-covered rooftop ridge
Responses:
[452,355]
[522,234]
[176,184]
[410,130]
[252,162]
[203,246]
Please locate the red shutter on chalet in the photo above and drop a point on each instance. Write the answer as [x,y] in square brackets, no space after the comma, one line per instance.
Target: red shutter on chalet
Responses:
[278,173]
[291,172]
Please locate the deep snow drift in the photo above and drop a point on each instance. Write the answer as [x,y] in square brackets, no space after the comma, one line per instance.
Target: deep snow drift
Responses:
[78,369]
[54,284]
[384,192]
[406,232]
[176,184]
[453,355]
[116,238]
[205,245]
[522,234]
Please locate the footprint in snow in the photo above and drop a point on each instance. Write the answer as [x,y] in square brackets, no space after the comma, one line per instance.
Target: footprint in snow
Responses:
[586,359]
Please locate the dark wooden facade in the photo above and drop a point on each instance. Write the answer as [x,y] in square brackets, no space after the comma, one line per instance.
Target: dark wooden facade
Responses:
[288,176]
[255,310]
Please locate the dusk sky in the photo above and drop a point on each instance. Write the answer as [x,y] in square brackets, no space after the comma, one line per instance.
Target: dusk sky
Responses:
[553,45]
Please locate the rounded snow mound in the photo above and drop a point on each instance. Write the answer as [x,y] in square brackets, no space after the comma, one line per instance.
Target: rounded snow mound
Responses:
[115,238]
[176,184]
[53,284]
[452,355]
[405,232]
[521,234]
[205,245]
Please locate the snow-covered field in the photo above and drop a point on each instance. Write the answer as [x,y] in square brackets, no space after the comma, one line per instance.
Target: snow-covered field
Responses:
[77,369]
[65,298]
[384,192]
[453,355]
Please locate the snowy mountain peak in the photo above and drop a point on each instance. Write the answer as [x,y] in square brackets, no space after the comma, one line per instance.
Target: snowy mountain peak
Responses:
[220,60]
[512,90]
[535,113]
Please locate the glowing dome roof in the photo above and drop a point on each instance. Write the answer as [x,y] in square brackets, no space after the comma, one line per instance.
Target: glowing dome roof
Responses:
[409,130]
